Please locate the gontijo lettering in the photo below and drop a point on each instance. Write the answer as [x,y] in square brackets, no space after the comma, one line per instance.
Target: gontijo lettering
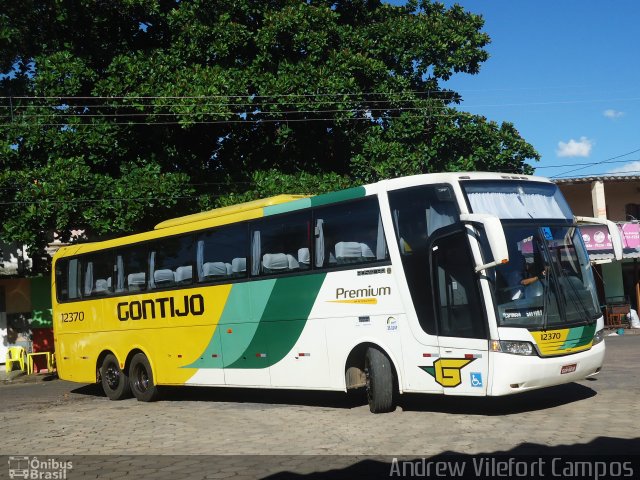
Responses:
[163,307]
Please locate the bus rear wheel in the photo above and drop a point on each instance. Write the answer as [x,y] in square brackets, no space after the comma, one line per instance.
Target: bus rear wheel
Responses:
[115,382]
[141,379]
[380,381]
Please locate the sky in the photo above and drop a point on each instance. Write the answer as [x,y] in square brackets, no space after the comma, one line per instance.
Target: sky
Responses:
[566,73]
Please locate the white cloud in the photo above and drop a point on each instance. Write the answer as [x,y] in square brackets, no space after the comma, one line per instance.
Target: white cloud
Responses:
[572,148]
[628,168]
[613,114]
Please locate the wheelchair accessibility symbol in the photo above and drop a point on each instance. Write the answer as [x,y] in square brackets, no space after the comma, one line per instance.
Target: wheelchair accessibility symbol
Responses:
[476,379]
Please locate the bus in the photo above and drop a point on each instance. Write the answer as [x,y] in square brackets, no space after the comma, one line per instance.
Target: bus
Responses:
[474,284]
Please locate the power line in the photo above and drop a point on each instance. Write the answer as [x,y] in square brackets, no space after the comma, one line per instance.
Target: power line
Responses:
[588,164]
[253,104]
[599,174]
[597,163]
[99,200]
[79,188]
[393,97]
[372,119]
[189,114]
[559,102]
[178,97]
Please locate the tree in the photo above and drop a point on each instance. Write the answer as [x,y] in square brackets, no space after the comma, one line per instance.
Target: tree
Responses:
[117,114]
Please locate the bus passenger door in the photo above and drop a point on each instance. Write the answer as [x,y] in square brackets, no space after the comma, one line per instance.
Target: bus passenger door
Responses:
[462,366]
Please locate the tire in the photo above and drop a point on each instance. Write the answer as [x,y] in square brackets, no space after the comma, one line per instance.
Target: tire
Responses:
[115,382]
[141,379]
[380,381]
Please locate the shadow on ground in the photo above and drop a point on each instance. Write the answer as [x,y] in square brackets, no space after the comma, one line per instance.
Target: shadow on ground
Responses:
[603,458]
[524,402]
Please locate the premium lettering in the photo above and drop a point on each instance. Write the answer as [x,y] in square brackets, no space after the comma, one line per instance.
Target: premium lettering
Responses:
[161,307]
[342,293]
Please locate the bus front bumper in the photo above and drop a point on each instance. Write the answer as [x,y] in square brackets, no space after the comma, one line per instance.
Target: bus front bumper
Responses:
[519,373]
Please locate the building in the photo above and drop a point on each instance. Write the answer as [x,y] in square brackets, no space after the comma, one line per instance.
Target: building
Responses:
[25,303]
[616,198]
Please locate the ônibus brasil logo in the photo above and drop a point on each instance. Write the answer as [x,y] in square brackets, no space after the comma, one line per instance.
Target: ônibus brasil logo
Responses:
[37,468]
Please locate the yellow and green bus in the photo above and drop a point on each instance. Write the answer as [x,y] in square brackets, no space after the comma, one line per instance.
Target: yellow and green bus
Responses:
[454,283]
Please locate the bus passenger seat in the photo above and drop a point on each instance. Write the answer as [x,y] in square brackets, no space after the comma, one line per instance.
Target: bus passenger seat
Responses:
[275,262]
[367,253]
[101,286]
[292,262]
[214,269]
[304,258]
[136,281]
[164,277]
[184,274]
[239,266]
[348,252]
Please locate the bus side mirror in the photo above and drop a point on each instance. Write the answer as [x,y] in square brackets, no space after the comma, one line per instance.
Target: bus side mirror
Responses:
[614,233]
[495,237]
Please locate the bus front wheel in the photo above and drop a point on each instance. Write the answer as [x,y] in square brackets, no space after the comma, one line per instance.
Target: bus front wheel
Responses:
[141,379]
[380,385]
[115,382]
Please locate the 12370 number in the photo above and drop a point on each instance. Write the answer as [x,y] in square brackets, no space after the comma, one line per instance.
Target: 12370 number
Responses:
[550,336]
[72,317]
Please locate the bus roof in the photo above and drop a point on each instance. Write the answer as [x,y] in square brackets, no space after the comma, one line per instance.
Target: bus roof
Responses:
[230,210]
[284,203]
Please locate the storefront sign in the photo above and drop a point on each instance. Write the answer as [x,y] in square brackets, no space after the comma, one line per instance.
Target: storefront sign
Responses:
[597,238]
[630,235]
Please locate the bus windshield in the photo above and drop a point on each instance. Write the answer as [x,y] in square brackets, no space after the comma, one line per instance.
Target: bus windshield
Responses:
[548,281]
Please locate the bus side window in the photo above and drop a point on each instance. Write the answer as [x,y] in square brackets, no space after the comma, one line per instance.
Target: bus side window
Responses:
[281,244]
[221,254]
[171,262]
[74,279]
[349,233]
[62,279]
[97,275]
[132,266]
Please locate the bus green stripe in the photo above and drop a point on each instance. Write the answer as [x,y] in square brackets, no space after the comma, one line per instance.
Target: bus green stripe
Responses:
[242,312]
[282,322]
[579,336]
[266,316]
[287,207]
[244,324]
[341,196]
[319,200]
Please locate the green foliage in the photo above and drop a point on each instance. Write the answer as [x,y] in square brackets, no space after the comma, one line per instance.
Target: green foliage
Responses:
[117,114]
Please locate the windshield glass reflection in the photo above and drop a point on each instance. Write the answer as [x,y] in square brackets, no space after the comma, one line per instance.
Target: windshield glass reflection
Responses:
[548,281]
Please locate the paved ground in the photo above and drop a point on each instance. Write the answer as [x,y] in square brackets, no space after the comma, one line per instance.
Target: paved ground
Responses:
[43,416]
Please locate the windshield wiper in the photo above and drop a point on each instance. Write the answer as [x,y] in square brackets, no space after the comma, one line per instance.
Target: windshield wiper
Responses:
[546,288]
[575,296]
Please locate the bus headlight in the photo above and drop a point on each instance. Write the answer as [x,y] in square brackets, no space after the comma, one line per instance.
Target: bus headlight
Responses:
[512,346]
[598,337]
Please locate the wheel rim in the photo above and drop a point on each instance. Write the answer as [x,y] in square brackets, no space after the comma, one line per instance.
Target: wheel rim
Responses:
[112,375]
[141,379]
